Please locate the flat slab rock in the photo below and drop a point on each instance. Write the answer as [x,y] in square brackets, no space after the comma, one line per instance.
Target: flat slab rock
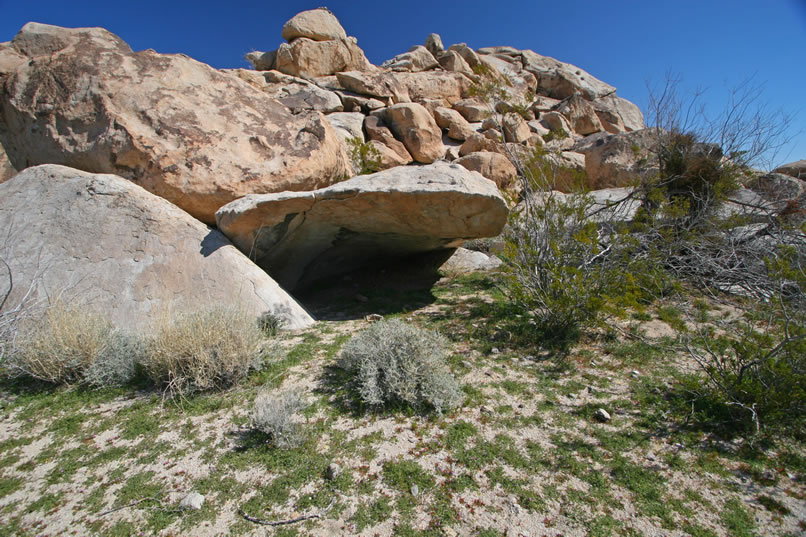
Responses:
[104,243]
[301,237]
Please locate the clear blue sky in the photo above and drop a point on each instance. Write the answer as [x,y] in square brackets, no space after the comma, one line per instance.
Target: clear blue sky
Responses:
[710,44]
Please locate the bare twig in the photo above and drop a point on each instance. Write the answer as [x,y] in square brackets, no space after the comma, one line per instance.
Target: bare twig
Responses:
[262,522]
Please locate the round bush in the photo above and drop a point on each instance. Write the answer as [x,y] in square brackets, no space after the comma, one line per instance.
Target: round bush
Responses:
[394,362]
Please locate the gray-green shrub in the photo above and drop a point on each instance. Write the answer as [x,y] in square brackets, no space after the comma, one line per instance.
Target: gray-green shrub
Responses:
[276,415]
[394,362]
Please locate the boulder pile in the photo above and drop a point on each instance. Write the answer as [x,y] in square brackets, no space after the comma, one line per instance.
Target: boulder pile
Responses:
[127,158]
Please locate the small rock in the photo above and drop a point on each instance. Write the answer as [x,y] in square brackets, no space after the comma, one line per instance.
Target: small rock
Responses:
[374,318]
[194,500]
[333,471]
[415,490]
[495,350]
[361,298]
[447,531]
[591,390]
[602,415]
[635,374]
[486,410]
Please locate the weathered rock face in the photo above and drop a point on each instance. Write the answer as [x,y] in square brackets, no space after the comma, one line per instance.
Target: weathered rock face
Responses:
[618,115]
[296,94]
[795,169]
[305,57]
[413,125]
[560,80]
[378,131]
[415,60]
[457,126]
[302,237]
[104,242]
[580,114]
[182,130]
[493,166]
[614,160]
[317,24]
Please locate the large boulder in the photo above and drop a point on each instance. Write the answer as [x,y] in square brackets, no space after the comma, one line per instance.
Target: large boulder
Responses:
[618,115]
[415,127]
[307,58]
[457,126]
[580,114]
[493,166]
[103,243]
[302,237]
[795,169]
[377,131]
[179,128]
[616,160]
[296,94]
[382,85]
[316,24]
[560,80]
[417,59]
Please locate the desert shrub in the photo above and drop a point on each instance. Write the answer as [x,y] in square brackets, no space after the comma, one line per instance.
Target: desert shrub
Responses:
[203,351]
[397,363]
[269,324]
[365,156]
[754,377]
[61,345]
[119,362]
[276,415]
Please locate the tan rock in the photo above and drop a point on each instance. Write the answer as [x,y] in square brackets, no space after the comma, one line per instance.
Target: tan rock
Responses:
[435,85]
[795,169]
[580,115]
[296,94]
[389,158]
[302,237]
[463,261]
[617,160]
[493,166]
[616,113]
[515,128]
[347,124]
[457,126]
[467,54]
[102,243]
[479,142]
[316,24]
[262,61]
[557,123]
[434,44]
[451,60]
[306,58]
[560,80]
[472,109]
[383,85]
[179,128]
[378,131]
[415,127]
[417,59]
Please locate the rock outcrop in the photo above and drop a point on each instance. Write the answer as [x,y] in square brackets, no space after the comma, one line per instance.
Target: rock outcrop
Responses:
[316,24]
[181,129]
[106,244]
[795,169]
[302,237]
[415,127]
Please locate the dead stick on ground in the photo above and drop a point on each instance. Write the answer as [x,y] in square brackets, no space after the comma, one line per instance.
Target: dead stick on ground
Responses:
[320,514]
[154,498]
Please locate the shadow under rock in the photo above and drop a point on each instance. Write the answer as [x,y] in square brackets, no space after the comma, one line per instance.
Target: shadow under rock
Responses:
[387,286]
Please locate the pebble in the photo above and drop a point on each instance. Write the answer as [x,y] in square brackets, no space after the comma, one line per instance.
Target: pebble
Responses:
[194,500]
[415,490]
[333,471]
[602,415]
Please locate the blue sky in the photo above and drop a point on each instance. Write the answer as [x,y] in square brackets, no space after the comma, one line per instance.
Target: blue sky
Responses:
[709,44]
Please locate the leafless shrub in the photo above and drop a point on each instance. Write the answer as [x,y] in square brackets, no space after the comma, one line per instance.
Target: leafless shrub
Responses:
[203,351]
[61,345]
[395,362]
